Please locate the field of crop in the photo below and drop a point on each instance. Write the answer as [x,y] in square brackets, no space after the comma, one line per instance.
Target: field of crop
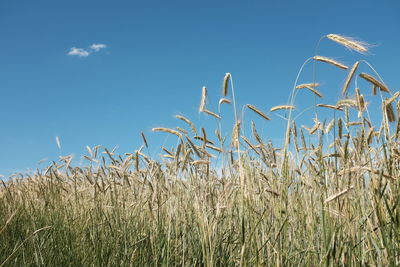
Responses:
[307,203]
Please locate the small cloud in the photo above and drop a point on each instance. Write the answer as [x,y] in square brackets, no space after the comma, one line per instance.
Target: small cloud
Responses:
[97,47]
[78,52]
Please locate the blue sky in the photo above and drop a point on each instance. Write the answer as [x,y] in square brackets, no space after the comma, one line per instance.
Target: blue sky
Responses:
[157,57]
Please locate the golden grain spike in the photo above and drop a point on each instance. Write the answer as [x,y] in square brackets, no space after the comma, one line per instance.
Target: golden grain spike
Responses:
[329,126]
[347,102]
[375,82]
[167,151]
[225,84]
[349,77]
[253,108]
[393,98]
[374,89]
[354,123]
[281,107]
[224,101]
[191,124]
[144,139]
[329,106]
[316,92]
[315,128]
[349,43]
[202,139]
[196,151]
[235,134]
[340,127]
[167,130]
[200,162]
[389,111]
[330,61]
[250,144]
[212,113]
[294,128]
[182,130]
[341,193]
[203,99]
[306,85]
[214,148]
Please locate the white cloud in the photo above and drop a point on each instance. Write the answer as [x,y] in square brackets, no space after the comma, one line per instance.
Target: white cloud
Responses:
[74,51]
[78,52]
[97,47]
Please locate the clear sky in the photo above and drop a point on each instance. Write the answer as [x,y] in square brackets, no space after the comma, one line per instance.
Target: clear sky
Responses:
[150,60]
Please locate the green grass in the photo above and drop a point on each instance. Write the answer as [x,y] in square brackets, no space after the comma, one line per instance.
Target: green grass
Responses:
[307,204]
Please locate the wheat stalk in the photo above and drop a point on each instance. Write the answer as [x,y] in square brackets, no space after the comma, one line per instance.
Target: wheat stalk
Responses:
[211,113]
[349,77]
[225,84]
[253,108]
[306,85]
[203,99]
[329,106]
[281,107]
[375,82]
[349,43]
[167,130]
[330,61]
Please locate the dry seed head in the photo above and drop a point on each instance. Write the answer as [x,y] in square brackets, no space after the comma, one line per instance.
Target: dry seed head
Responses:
[182,130]
[329,106]
[374,89]
[167,151]
[315,128]
[390,112]
[362,103]
[316,92]
[347,102]
[193,146]
[294,127]
[235,134]
[250,144]
[203,99]
[306,85]
[281,107]
[202,139]
[225,84]
[349,43]
[255,134]
[204,136]
[167,130]
[340,127]
[393,98]
[367,122]
[370,135]
[303,139]
[253,108]
[337,195]
[191,124]
[200,162]
[214,148]
[212,114]
[375,82]
[330,126]
[349,77]
[224,101]
[330,61]
[354,123]
[144,139]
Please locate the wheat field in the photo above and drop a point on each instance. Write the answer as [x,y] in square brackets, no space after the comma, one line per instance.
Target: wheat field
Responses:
[307,203]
